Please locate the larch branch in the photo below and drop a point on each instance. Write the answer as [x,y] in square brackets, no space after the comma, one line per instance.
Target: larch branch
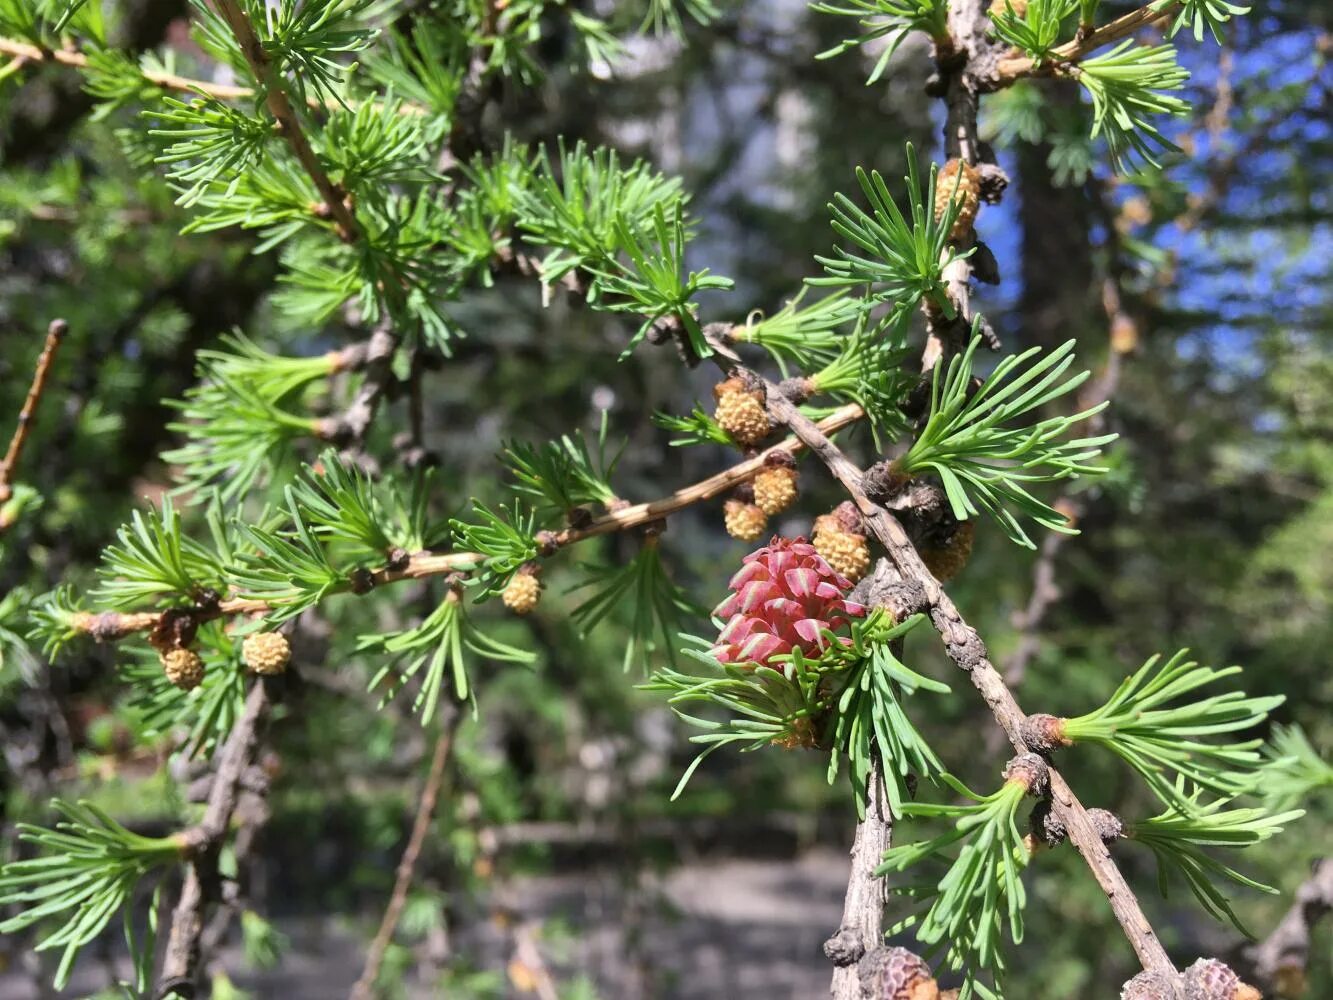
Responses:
[966,649]
[74,58]
[1017,67]
[280,106]
[1280,961]
[110,626]
[862,926]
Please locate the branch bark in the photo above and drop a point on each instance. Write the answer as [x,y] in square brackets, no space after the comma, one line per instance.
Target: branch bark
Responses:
[348,429]
[1011,69]
[73,58]
[181,964]
[862,926]
[964,69]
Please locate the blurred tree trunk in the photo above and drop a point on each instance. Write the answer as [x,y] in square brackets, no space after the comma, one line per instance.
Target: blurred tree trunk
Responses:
[1058,299]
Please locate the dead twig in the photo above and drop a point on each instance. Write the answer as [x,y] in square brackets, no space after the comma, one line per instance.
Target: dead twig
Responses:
[55,333]
[1281,960]
[430,793]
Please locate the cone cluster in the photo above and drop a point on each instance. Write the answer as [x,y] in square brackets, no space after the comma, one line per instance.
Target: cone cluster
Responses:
[843,547]
[183,667]
[967,196]
[1206,979]
[740,412]
[744,521]
[266,653]
[522,593]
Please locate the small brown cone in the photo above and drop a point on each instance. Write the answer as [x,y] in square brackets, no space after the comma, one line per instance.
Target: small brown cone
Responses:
[266,652]
[946,561]
[1149,986]
[1045,826]
[744,521]
[967,196]
[183,667]
[895,974]
[740,412]
[1124,334]
[1209,979]
[522,592]
[775,489]
[846,551]
[1020,7]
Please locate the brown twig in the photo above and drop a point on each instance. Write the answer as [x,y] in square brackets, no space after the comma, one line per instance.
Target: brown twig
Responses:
[349,427]
[280,106]
[527,969]
[110,626]
[202,844]
[78,60]
[167,81]
[430,792]
[54,334]
[1009,70]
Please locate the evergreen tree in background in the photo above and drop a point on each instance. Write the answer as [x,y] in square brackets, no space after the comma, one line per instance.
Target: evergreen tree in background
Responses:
[449,342]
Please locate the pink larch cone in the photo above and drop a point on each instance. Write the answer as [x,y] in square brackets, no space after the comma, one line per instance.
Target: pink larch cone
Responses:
[784,597]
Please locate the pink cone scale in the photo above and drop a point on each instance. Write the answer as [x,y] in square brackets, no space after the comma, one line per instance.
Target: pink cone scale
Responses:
[784,597]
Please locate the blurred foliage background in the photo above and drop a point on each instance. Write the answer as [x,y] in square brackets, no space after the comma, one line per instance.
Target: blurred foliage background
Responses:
[1214,531]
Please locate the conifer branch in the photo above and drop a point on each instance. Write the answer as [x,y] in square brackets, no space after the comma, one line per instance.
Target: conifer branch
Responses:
[280,105]
[349,427]
[79,60]
[54,334]
[966,649]
[112,626]
[1015,68]
[75,58]
[961,68]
